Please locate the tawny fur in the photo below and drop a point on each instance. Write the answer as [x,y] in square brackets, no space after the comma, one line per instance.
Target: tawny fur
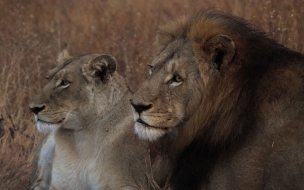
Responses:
[87,103]
[229,103]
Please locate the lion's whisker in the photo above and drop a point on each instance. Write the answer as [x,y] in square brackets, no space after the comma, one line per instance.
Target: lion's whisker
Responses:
[179,117]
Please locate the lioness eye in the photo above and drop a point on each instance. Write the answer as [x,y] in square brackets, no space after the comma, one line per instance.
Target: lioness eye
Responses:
[64,83]
[150,71]
[177,78]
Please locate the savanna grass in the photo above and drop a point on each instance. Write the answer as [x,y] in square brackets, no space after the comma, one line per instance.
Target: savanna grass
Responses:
[32,33]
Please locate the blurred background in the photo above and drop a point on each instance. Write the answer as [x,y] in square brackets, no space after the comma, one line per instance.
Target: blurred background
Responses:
[34,32]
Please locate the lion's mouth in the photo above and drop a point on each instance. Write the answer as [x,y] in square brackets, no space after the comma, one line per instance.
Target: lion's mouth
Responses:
[46,122]
[150,126]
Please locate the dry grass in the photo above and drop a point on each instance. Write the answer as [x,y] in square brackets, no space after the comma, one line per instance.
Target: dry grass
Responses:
[33,32]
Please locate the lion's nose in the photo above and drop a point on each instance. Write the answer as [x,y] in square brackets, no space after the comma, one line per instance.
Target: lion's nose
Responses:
[140,107]
[36,109]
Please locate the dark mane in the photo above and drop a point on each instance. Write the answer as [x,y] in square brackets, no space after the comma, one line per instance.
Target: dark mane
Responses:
[227,114]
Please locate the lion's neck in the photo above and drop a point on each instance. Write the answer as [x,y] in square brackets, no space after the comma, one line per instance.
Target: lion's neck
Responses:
[216,129]
[217,121]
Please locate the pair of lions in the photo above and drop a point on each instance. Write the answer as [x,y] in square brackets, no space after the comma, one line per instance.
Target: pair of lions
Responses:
[227,104]
[91,143]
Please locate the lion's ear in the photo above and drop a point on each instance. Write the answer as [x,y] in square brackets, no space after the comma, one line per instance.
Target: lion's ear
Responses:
[100,67]
[220,50]
[63,56]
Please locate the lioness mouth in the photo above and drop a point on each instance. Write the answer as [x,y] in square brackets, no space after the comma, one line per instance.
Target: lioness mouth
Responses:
[42,121]
[147,125]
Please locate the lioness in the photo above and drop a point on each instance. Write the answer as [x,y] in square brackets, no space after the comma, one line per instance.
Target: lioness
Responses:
[227,102]
[85,105]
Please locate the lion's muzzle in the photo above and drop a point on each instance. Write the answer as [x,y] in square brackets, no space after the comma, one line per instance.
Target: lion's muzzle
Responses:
[36,108]
[140,107]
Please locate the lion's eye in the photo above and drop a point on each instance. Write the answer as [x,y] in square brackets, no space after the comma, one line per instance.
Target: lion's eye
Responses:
[177,78]
[150,71]
[64,83]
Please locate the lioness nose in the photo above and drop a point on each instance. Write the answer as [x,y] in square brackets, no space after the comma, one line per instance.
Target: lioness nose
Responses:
[140,107]
[36,109]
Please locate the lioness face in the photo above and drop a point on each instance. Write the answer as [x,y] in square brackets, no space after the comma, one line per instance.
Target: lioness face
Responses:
[68,99]
[170,94]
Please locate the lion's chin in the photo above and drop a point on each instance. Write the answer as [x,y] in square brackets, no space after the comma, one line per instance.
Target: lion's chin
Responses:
[44,127]
[148,133]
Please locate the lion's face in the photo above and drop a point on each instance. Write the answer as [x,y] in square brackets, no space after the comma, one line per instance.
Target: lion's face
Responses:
[170,94]
[182,73]
[68,99]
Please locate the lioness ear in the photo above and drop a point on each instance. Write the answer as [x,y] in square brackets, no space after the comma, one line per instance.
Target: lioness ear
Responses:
[220,50]
[100,67]
[63,56]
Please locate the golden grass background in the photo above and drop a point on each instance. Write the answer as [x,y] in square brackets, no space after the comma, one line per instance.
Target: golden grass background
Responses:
[33,33]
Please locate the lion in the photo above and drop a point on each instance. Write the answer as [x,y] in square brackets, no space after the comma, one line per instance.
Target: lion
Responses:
[84,108]
[227,104]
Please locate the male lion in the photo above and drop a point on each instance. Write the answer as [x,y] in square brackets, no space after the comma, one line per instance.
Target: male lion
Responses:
[227,103]
[85,105]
